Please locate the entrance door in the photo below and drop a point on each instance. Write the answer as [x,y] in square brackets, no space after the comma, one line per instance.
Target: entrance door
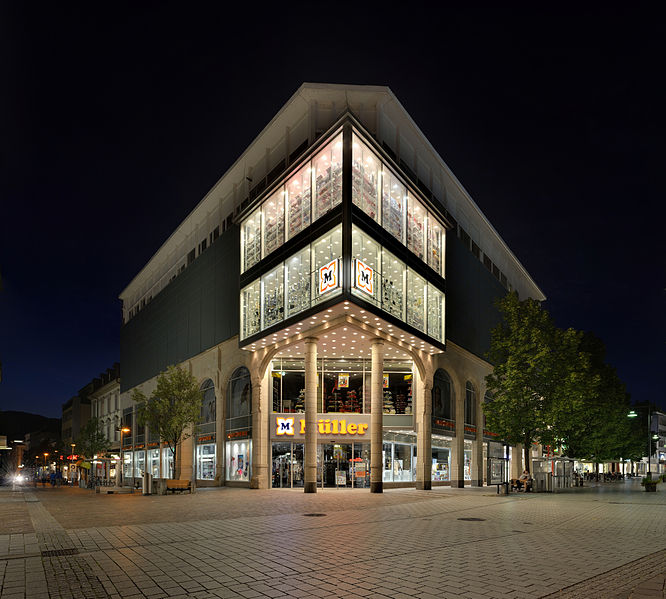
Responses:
[336,460]
[281,465]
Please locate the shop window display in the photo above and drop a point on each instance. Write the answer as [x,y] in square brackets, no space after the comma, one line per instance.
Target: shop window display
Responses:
[328,177]
[251,309]
[167,463]
[272,285]
[442,403]
[298,282]
[393,284]
[127,464]
[273,218]
[206,461]
[324,250]
[397,388]
[435,313]
[365,178]
[139,463]
[251,240]
[154,462]
[239,460]
[288,378]
[365,249]
[299,201]
[435,245]
[468,461]
[415,301]
[441,463]
[416,226]
[394,194]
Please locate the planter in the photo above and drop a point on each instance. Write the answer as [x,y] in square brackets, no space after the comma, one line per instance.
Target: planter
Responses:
[650,487]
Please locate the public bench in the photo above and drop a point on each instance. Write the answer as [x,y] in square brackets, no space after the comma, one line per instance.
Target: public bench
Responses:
[517,487]
[173,485]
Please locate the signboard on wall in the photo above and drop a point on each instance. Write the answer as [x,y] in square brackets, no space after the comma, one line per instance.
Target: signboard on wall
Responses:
[343,380]
[364,277]
[334,427]
[329,276]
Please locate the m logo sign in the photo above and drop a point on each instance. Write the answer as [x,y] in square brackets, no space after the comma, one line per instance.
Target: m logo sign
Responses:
[328,276]
[284,426]
[364,277]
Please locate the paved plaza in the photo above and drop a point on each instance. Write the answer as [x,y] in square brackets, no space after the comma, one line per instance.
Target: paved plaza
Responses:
[605,541]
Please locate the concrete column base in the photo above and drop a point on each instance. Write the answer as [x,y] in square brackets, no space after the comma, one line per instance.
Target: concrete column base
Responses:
[377,487]
[477,483]
[310,488]
[424,485]
[457,484]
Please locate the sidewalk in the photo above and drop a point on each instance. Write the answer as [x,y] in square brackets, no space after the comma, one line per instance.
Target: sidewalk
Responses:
[604,540]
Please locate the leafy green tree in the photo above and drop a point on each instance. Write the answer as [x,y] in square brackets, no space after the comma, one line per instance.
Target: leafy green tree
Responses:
[526,373]
[92,440]
[173,406]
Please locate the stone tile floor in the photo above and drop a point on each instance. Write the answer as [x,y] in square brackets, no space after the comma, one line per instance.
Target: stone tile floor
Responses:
[604,541]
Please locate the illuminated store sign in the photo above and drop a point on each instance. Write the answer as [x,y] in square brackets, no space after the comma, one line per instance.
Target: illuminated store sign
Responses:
[364,277]
[293,426]
[329,276]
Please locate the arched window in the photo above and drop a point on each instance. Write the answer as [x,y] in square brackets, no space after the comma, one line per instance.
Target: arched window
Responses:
[239,397]
[208,404]
[442,404]
[470,404]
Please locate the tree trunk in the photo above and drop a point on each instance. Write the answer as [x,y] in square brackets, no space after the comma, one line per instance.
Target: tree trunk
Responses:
[173,467]
[527,447]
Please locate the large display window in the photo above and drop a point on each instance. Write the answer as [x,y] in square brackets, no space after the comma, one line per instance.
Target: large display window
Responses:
[298,282]
[287,465]
[154,462]
[273,219]
[206,454]
[251,240]
[416,226]
[127,464]
[250,311]
[416,300]
[328,177]
[399,458]
[394,195]
[326,249]
[367,272]
[239,460]
[167,463]
[393,285]
[299,201]
[435,246]
[441,460]
[435,313]
[366,170]
[272,286]
[139,463]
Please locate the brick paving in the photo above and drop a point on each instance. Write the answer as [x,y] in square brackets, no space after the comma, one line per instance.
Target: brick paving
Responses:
[606,541]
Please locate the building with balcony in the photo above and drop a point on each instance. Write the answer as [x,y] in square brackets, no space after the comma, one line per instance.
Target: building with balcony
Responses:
[334,295]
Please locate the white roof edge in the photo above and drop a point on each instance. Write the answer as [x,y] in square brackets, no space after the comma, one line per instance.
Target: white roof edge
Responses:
[302,92]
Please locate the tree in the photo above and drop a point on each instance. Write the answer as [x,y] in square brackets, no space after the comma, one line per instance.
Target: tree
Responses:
[173,406]
[526,369]
[92,440]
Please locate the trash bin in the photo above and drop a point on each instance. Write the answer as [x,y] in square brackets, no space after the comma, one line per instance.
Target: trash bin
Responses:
[147,483]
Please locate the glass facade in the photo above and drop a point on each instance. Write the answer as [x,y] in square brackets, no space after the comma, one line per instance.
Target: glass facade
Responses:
[154,462]
[311,275]
[292,207]
[167,463]
[399,457]
[239,460]
[206,461]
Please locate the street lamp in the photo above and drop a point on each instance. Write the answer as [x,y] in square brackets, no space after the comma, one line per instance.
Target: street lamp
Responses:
[125,430]
[71,467]
[633,414]
[46,455]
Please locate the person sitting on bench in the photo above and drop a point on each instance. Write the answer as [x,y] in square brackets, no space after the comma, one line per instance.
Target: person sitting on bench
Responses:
[525,481]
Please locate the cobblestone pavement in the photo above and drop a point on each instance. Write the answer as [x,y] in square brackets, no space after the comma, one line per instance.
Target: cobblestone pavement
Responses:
[604,541]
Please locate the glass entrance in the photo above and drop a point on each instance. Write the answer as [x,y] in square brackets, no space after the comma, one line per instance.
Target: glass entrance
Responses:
[336,460]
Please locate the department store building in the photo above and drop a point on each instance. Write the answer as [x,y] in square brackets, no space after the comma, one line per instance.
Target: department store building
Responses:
[333,294]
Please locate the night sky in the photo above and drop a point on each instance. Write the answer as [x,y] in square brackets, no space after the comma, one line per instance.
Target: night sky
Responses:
[115,120]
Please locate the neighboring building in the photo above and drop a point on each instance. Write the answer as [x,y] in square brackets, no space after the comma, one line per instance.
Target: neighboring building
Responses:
[367,278]
[105,406]
[75,415]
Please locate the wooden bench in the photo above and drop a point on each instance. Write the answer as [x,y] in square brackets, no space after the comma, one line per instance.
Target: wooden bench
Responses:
[173,485]
[518,487]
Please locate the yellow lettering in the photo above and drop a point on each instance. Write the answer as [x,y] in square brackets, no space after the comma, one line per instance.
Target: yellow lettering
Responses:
[303,426]
[362,428]
[343,424]
[321,426]
[351,428]
[335,427]
[327,426]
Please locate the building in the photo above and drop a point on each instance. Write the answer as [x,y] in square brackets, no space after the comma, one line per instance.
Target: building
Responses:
[366,276]
[105,406]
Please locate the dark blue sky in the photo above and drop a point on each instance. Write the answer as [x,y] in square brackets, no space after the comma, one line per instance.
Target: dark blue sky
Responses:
[115,121]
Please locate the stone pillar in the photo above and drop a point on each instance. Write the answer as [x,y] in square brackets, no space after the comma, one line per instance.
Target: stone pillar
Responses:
[259,478]
[477,444]
[423,433]
[310,485]
[220,445]
[458,445]
[516,461]
[186,452]
[376,416]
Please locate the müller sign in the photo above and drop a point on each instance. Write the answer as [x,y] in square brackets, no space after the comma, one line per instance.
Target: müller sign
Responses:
[293,426]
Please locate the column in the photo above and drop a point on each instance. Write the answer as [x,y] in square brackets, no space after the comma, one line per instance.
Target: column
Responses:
[259,479]
[310,485]
[376,416]
[423,433]
[458,445]
[516,460]
[477,444]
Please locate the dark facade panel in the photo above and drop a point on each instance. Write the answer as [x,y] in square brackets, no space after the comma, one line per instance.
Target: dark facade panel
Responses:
[471,292]
[195,312]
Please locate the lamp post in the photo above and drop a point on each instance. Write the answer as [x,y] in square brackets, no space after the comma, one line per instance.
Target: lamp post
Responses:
[125,430]
[633,414]
[46,455]
[71,467]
